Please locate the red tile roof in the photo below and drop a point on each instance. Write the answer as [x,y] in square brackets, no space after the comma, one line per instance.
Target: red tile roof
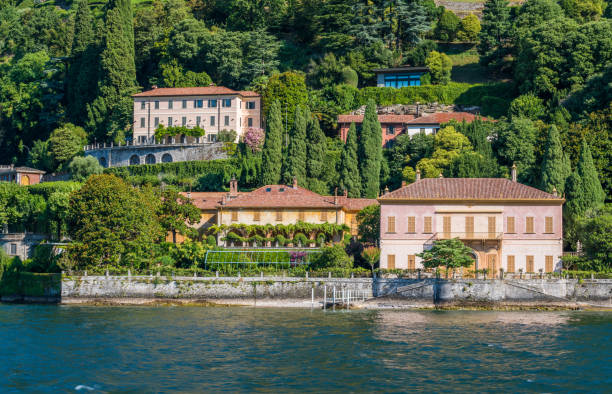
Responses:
[445,117]
[467,189]
[206,200]
[381,118]
[195,91]
[357,204]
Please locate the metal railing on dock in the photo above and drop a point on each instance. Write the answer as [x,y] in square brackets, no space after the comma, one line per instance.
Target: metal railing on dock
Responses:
[343,297]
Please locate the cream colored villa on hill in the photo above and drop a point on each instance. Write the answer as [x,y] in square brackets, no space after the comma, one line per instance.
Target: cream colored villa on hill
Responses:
[213,108]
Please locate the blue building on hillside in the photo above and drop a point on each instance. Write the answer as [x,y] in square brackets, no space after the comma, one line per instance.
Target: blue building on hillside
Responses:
[398,77]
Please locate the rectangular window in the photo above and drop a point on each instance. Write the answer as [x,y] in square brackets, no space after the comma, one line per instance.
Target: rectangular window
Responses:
[170,104]
[184,104]
[142,122]
[301,216]
[411,225]
[198,120]
[256,216]
[491,226]
[250,105]
[446,226]
[142,105]
[391,262]
[529,264]
[411,262]
[198,103]
[250,122]
[184,121]
[422,130]
[548,264]
[156,122]
[212,103]
[156,104]
[169,121]
[390,130]
[548,225]
[324,216]
[279,216]
[227,103]
[13,249]
[427,225]
[226,121]
[510,225]
[510,266]
[212,120]
[529,225]
[391,224]
[469,226]
[234,216]
[212,137]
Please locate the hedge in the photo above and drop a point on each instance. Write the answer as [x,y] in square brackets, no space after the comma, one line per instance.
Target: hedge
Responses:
[30,284]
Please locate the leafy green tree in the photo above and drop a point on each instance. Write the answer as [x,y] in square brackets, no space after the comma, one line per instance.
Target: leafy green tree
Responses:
[58,205]
[593,193]
[81,168]
[272,154]
[331,257]
[174,76]
[470,27]
[448,145]
[39,156]
[295,165]
[472,165]
[515,143]
[595,233]
[315,148]
[261,56]
[111,224]
[584,10]
[496,34]
[440,67]
[176,212]
[289,88]
[556,166]
[370,152]
[349,165]
[449,253]
[447,27]
[527,106]
[65,143]
[368,225]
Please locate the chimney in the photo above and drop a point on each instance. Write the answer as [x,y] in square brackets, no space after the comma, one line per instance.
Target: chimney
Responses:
[336,196]
[295,183]
[189,195]
[224,200]
[154,87]
[513,172]
[403,183]
[554,192]
[386,189]
[440,176]
[233,187]
[418,175]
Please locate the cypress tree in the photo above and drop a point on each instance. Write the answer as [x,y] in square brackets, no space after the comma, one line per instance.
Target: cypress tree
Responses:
[111,111]
[350,179]
[555,164]
[272,154]
[316,147]
[576,204]
[296,155]
[593,192]
[370,152]
[81,77]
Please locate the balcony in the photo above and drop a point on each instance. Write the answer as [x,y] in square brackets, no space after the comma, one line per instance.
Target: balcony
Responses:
[470,236]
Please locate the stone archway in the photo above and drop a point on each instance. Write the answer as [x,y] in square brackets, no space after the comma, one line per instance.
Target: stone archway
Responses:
[134,160]
[166,158]
[150,159]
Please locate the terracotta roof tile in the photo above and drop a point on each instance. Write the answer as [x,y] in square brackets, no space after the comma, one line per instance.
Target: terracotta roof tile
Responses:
[206,200]
[381,118]
[357,204]
[194,91]
[466,189]
[445,117]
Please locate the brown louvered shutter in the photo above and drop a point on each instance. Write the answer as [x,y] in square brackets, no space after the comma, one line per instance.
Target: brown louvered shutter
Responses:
[549,264]
[427,225]
[469,226]
[411,224]
[529,225]
[234,216]
[324,216]
[411,261]
[391,262]
[279,216]
[301,216]
[510,227]
[391,224]
[510,267]
[529,264]
[256,216]
[447,226]
[548,225]
[491,226]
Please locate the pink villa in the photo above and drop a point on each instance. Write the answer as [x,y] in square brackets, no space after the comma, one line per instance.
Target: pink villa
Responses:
[394,125]
[508,225]
[213,108]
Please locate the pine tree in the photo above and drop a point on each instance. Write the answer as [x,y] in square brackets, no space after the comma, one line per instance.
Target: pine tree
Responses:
[111,112]
[350,179]
[370,152]
[295,165]
[496,33]
[81,77]
[272,154]
[316,147]
[555,165]
[593,192]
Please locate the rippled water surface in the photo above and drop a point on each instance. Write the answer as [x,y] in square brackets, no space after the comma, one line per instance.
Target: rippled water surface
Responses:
[195,349]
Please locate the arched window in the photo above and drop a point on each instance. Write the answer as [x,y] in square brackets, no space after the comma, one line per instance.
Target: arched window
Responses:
[150,159]
[25,180]
[102,161]
[166,158]
[134,160]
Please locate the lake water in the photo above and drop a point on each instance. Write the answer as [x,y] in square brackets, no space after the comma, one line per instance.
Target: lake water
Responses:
[193,349]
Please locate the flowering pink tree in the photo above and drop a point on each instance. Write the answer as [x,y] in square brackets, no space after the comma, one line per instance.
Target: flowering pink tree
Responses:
[254,138]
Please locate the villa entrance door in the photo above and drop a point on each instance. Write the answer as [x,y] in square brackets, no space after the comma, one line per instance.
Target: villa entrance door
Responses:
[491,265]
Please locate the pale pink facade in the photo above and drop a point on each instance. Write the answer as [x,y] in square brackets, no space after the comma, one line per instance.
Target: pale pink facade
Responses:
[508,225]
[213,108]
